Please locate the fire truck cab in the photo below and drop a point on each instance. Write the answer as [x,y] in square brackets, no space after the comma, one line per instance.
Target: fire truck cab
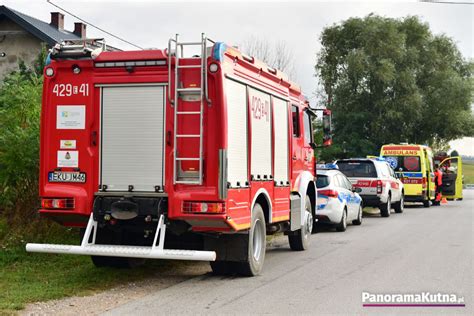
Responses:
[159,155]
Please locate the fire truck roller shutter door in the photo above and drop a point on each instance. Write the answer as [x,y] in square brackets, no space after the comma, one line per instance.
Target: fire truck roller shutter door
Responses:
[261,138]
[237,133]
[280,110]
[132,137]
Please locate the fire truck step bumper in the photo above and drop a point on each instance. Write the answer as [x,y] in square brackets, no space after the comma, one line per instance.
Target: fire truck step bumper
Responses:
[124,251]
[156,251]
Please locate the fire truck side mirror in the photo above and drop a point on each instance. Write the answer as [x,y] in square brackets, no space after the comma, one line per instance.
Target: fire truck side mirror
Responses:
[327,128]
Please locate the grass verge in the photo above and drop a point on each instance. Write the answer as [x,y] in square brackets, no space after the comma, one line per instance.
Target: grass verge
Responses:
[30,277]
[468,172]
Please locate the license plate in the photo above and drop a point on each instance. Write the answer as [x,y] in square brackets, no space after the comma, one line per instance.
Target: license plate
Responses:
[78,177]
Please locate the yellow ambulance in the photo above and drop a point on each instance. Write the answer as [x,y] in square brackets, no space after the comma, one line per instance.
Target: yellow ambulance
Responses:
[414,166]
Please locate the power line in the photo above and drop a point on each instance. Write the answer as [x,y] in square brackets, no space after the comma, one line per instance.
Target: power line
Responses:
[446,2]
[96,27]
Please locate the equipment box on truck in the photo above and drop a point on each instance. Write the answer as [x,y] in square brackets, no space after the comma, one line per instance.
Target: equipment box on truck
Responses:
[159,155]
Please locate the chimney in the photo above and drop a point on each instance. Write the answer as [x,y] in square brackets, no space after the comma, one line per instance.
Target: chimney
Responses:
[80,29]
[57,20]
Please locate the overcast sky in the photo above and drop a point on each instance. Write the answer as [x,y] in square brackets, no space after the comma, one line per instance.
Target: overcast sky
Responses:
[299,24]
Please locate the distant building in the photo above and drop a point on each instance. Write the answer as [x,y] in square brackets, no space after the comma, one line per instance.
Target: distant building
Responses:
[22,36]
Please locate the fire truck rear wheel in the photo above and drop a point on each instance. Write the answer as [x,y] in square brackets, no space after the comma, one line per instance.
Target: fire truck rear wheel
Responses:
[222,267]
[107,237]
[256,245]
[117,262]
[299,240]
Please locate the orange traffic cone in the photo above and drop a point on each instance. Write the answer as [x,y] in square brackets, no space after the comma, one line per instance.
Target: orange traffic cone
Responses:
[444,201]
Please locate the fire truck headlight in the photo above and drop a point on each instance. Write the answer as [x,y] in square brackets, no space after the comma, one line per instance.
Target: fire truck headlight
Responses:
[213,67]
[76,70]
[49,72]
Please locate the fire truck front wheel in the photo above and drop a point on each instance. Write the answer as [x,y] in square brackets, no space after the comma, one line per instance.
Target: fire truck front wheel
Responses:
[299,240]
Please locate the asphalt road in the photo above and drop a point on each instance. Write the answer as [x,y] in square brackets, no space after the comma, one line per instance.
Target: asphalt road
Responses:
[419,250]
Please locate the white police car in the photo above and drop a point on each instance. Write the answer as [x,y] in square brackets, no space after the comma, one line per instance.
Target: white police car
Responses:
[338,202]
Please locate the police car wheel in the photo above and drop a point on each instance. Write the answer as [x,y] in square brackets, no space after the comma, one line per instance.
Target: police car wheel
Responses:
[426,203]
[342,226]
[315,229]
[358,221]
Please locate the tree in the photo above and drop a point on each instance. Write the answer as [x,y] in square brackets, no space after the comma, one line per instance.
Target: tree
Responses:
[277,55]
[391,80]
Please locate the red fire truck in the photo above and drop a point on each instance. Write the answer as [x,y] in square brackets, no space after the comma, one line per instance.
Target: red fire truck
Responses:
[212,151]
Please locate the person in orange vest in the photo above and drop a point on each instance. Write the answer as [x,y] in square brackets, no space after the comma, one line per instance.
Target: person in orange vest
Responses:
[438,179]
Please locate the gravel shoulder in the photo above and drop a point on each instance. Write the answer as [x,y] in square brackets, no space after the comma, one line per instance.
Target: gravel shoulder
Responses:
[98,303]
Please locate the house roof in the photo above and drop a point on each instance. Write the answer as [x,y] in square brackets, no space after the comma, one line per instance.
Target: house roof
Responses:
[38,28]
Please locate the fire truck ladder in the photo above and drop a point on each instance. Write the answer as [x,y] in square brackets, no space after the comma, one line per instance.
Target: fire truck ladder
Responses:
[176,49]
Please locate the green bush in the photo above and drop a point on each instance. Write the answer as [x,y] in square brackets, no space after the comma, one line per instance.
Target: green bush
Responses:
[20,106]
